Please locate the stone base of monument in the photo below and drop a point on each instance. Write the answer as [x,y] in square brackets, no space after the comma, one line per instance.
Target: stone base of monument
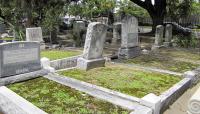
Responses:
[128,53]
[42,46]
[167,44]
[155,47]
[85,64]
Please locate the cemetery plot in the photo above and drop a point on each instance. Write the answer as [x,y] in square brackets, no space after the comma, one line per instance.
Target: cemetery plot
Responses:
[125,79]
[55,98]
[59,54]
[173,60]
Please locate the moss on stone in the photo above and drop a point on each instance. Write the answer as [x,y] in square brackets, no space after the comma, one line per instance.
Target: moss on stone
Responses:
[125,79]
[58,54]
[55,98]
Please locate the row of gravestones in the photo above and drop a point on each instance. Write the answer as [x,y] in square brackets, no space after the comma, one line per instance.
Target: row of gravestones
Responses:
[159,36]
[23,57]
[95,38]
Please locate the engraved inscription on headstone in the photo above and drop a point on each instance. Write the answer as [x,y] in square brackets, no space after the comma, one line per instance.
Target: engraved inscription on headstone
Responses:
[19,57]
[34,34]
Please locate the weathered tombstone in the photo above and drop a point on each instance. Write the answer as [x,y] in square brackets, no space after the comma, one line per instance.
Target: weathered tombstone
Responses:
[79,30]
[35,34]
[2,28]
[19,58]
[168,35]
[93,49]
[129,42]
[116,33]
[158,37]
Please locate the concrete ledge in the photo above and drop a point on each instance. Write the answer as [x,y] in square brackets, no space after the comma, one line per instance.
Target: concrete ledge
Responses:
[123,100]
[193,75]
[22,77]
[11,103]
[171,95]
[65,63]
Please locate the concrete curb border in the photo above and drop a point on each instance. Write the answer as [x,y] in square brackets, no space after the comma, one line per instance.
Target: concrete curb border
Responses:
[65,63]
[11,103]
[22,77]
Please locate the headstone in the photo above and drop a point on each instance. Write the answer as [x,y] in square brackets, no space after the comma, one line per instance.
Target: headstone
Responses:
[130,41]
[93,49]
[116,33]
[19,57]
[35,34]
[79,29]
[78,26]
[158,37]
[2,28]
[168,35]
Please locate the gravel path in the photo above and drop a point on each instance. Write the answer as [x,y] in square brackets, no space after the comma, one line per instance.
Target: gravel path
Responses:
[180,106]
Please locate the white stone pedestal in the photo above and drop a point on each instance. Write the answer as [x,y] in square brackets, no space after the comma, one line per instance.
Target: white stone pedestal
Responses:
[85,64]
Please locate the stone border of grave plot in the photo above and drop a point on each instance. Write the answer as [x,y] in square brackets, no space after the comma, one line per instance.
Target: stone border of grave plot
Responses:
[167,98]
[11,103]
[65,63]
[150,101]
[126,101]
[22,77]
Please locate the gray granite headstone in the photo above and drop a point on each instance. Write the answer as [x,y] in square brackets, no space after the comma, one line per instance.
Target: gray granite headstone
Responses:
[93,49]
[168,35]
[34,34]
[78,26]
[116,33]
[2,28]
[19,57]
[158,37]
[130,42]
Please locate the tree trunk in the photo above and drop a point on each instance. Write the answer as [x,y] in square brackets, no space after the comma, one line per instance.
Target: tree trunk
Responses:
[157,20]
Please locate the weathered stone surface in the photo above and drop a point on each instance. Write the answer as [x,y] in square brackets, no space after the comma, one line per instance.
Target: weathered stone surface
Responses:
[95,39]
[126,53]
[171,95]
[130,42]
[22,77]
[89,64]
[116,33]
[152,101]
[78,26]
[93,49]
[129,32]
[159,35]
[2,28]
[11,103]
[64,63]
[34,34]
[168,35]
[194,103]
[19,57]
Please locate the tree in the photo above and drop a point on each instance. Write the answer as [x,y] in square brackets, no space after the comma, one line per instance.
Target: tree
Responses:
[157,11]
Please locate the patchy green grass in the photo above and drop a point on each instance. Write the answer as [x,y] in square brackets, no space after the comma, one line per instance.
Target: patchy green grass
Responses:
[162,62]
[58,54]
[124,79]
[55,98]
[178,53]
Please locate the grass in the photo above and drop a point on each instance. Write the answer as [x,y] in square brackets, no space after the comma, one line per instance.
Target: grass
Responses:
[55,98]
[124,79]
[168,59]
[186,54]
[58,54]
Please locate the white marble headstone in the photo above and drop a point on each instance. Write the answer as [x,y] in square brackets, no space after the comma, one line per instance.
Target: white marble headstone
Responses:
[34,34]
[94,43]
[129,32]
